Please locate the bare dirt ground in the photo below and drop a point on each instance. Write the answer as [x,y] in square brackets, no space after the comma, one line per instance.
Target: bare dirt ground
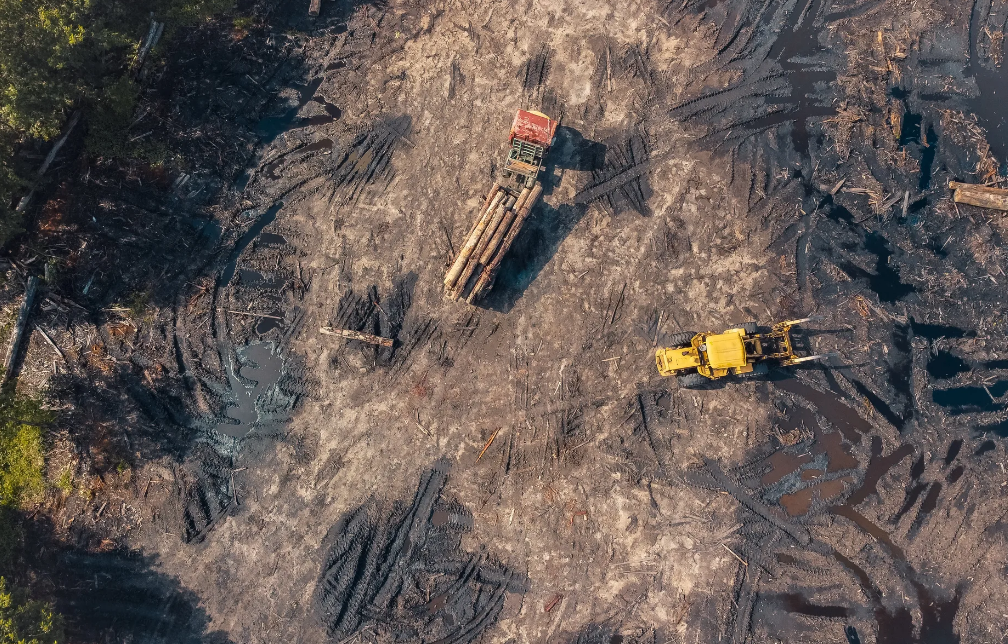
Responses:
[517,472]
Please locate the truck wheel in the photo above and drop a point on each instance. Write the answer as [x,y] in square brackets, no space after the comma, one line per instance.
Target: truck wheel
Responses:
[759,369]
[692,380]
[682,339]
[750,328]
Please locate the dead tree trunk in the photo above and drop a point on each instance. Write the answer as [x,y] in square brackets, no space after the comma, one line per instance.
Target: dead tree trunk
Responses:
[19,327]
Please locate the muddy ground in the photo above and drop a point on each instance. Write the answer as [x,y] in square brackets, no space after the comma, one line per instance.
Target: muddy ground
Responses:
[517,471]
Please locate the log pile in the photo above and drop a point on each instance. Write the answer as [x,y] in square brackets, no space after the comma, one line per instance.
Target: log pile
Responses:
[504,212]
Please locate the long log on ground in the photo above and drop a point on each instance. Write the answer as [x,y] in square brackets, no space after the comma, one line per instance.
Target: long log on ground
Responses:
[19,327]
[489,274]
[473,262]
[977,195]
[357,335]
[798,532]
[470,243]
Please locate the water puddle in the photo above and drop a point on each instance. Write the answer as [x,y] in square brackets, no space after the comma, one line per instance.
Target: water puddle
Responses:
[795,603]
[989,105]
[837,455]
[797,42]
[928,154]
[800,502]
[896,420]
[271,239]
[274,321]
[877,468]
[321,144]
[965,400]
[782,464]
[998,429]
[870,528]
[885,281]
[986,446]
[954,448]
[943,365]
[257,375]
[264,220]
[831,407]
[332,113]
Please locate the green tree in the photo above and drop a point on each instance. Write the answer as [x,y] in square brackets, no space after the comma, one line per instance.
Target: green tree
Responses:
[39,42]
[24,621]
[21,454]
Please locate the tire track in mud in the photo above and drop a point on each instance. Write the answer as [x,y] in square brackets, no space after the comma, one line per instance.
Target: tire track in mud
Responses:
[397,571]
[811,478]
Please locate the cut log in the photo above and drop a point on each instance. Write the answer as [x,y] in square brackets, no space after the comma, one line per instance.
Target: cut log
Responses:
[977,195]
[471,241]
[473,262]
[356,335]
[489,274]
[19,327]
[491,248]
[314,8]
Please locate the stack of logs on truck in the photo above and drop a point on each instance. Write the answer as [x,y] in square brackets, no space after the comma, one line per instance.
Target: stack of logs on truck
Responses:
[504,211]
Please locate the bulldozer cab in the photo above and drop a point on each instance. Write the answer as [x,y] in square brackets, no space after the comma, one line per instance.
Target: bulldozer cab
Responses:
[725,350]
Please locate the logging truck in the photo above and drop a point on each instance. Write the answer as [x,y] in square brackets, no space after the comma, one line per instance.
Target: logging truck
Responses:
[504,210]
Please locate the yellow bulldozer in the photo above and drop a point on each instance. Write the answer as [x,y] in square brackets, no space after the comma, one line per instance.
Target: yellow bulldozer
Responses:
[696,359]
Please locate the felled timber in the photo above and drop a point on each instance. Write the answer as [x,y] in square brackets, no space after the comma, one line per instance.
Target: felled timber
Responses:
[977,195]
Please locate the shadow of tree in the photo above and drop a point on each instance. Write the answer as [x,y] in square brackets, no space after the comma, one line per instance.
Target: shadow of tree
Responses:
[115,595]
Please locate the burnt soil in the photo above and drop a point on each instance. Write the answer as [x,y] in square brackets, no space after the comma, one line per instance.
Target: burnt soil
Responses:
[518,472]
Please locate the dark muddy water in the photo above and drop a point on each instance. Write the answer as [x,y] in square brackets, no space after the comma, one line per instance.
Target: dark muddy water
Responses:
[264,220]
[989,105]
[964,400]
[830,406]
[943,365]
[798,41]
[259,371]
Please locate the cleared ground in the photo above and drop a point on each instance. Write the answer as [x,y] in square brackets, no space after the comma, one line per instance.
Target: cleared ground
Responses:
[518,472]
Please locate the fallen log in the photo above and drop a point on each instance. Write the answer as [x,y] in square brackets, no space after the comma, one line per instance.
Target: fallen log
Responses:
[470,243]
[977,195]
[356,335]
[19,327]
[489,274]
[473,262]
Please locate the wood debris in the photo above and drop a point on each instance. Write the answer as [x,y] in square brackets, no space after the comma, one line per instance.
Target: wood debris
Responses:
[357,335]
